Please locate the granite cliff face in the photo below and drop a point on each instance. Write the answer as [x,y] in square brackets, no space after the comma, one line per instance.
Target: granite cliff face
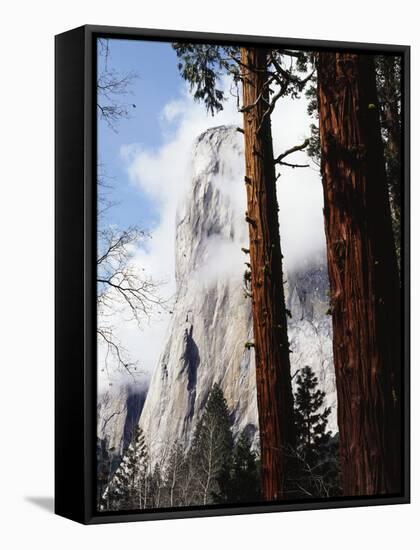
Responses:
[212,320]
[211,317]
[310,327]
[118,413]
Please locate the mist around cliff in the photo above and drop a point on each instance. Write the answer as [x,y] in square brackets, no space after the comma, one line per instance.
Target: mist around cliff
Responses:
[195,354]
[163,174]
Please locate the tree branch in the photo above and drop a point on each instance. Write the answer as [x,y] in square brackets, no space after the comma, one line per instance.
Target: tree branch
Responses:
[301,147]
[294,165]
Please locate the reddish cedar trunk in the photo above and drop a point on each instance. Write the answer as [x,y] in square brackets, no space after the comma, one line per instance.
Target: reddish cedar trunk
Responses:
[365,293]
[274,391]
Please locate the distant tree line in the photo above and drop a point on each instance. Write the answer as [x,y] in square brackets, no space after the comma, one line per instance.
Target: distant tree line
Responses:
[216,469]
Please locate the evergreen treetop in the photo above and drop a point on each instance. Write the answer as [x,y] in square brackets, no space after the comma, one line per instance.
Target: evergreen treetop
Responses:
[311,422]
[316,470]
[127,489]
[204,66]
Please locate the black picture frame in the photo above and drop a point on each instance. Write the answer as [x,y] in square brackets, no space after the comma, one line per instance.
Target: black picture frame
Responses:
[75,294]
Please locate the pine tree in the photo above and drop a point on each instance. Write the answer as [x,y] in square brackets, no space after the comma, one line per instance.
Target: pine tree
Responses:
[212,446]
[128,489]
[242,482]
[105,461]
[316,455]
[246,471]
[310,422]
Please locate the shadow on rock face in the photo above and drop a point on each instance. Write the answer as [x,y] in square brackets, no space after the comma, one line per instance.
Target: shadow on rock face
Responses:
[191,359]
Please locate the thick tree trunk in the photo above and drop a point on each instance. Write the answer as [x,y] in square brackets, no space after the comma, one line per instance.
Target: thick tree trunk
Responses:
[274,390]
[365,294]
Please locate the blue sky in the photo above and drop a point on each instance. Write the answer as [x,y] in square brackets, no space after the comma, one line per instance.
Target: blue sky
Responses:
[147,161]
[152,162]
[158,82]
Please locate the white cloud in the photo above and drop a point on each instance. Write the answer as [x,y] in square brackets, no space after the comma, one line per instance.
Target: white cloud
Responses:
[173,110]
[164,175]
[299,190]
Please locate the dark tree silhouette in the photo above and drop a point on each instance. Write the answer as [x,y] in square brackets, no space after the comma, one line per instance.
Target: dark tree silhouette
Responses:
[388,81]
[316,454]
[241,480]
[310,422]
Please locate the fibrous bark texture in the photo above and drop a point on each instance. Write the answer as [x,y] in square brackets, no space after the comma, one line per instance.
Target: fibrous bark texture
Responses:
[274,392]
[365,293]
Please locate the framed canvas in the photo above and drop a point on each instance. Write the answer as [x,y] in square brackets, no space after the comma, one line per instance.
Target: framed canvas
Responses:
[232,274]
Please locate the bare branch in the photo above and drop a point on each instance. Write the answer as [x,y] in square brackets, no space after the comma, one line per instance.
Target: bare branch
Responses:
[115,349]
[294,165]
[122,286]
[274,99]
[247,108]
[119,281]
[289,76]
[111,85]
[301,147]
